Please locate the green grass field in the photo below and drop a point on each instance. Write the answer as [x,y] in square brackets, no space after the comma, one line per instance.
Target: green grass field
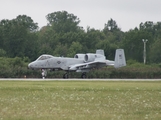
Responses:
[80,100]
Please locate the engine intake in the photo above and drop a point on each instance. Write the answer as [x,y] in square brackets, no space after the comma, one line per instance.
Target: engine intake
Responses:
[79,56]
[89,57]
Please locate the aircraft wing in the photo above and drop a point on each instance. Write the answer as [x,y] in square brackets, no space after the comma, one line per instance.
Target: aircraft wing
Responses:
[88,65]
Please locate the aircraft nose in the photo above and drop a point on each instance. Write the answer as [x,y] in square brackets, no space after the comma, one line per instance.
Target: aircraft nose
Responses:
[30,65]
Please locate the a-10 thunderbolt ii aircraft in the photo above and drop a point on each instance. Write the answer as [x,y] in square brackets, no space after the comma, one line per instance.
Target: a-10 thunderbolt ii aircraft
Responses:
[80,63]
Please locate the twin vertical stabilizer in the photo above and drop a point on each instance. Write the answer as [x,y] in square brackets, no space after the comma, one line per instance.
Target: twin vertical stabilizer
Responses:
[119,58]
[100,51]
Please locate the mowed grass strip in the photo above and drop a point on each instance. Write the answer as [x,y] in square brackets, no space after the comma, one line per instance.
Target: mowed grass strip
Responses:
[87,100]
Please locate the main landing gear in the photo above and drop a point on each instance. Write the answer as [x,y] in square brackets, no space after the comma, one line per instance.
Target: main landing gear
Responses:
[83,75]
[66,76]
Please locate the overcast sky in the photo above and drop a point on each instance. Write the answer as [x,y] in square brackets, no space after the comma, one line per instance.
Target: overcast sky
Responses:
[128,14]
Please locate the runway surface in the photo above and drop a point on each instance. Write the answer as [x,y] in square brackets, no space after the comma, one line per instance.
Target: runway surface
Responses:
[73,79]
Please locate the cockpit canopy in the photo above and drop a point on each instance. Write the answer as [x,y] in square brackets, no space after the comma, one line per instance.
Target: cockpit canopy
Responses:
[43,57]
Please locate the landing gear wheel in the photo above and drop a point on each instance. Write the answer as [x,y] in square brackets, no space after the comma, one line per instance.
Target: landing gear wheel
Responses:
[65,76]
[83,75]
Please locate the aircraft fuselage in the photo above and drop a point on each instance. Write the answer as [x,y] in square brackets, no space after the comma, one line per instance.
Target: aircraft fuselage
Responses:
[55,62]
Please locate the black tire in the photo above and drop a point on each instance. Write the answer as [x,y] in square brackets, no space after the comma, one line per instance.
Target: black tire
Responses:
[65,76]
[83,76]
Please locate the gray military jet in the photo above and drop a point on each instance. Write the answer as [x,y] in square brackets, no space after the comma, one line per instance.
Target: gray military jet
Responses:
[80,63]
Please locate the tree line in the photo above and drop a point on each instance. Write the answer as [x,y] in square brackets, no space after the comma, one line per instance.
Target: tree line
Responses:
[22,41]
[62,36]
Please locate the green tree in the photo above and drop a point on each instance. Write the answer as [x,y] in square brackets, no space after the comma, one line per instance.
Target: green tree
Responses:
[108,48]
[112,32]
[2,53]
[63,22]
[154,52]
[132,45]
[62,30]
[75,48]
[61,50]
[92,38]
[155,55]
[111,25]
[18,38]
[27,22]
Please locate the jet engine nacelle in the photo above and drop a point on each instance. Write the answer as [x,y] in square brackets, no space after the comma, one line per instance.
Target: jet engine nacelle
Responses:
[79,56]
[89,57]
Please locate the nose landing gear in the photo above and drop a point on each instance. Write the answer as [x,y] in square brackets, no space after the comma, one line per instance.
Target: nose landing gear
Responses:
[83,75]
[44,73]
